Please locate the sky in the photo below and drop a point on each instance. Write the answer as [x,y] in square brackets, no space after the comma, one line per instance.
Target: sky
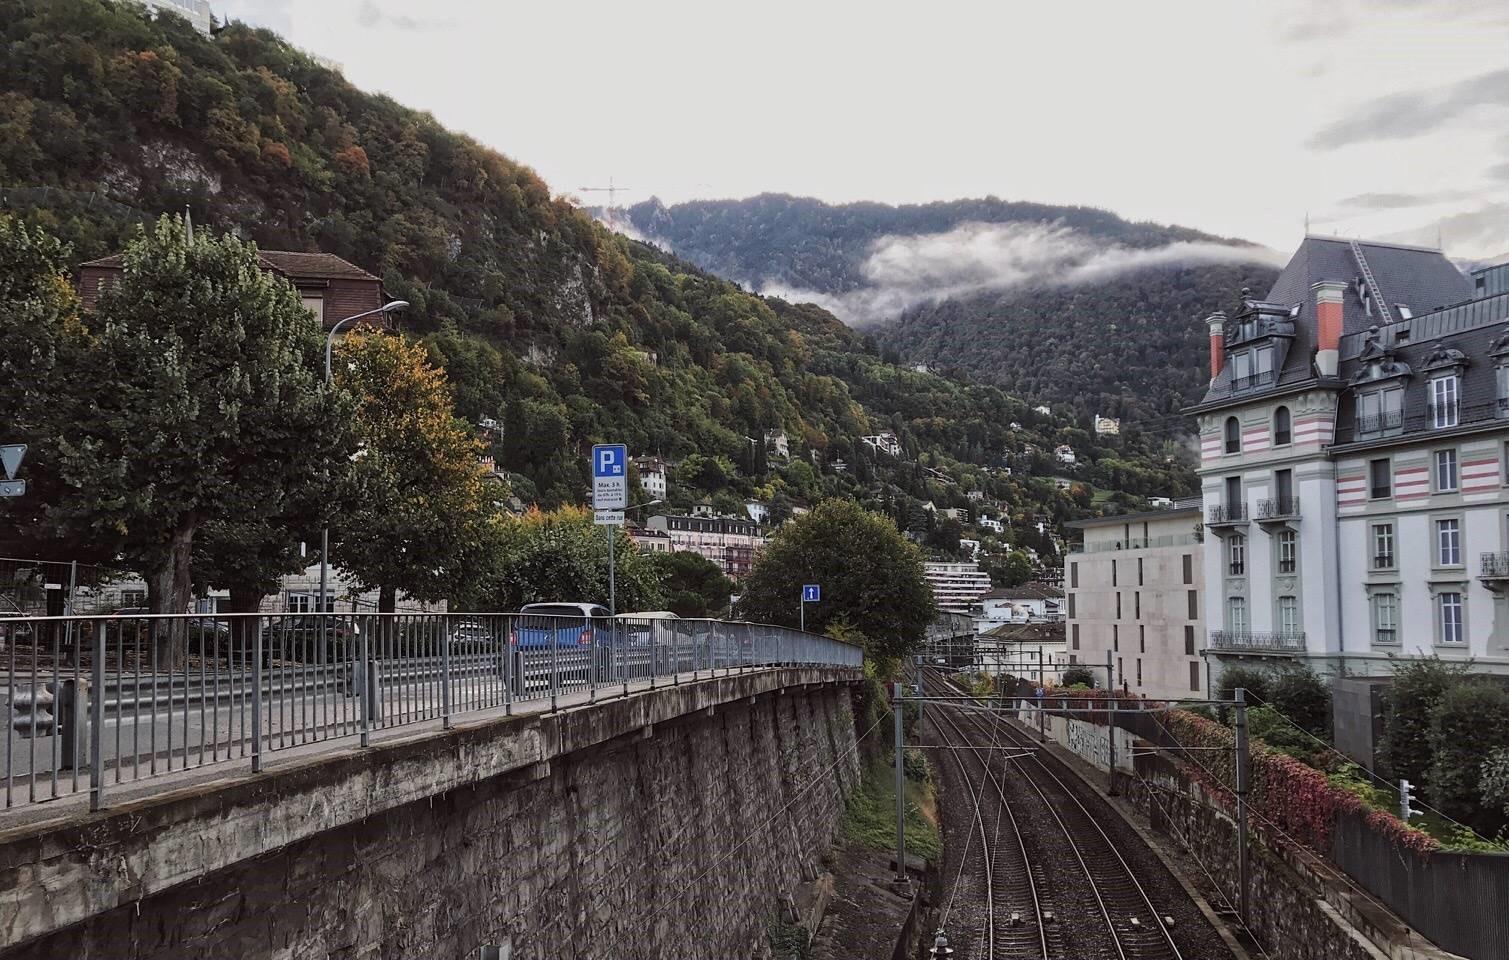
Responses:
[1386,119]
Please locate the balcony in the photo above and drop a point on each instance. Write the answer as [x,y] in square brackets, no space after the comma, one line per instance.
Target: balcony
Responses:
[1253,381]
[1247,641]
[1494,571]
[1278,509]
[1225,515]
[1425,418]
[1380,424]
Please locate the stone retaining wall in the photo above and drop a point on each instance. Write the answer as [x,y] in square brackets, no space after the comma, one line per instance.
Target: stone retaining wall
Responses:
[673,839]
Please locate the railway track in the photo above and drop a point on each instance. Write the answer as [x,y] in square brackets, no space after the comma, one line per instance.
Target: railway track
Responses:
[1013,925]
[1133,928]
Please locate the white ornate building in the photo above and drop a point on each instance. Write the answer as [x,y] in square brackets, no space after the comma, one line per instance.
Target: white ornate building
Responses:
[1353,453]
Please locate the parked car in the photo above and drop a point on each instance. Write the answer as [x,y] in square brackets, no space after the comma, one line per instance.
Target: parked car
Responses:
[639,628]
[309,638]
[543,625]
[470,634]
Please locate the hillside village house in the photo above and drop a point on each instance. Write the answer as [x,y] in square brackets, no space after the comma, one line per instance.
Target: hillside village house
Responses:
[884,442]
[653,473]
[1107,426]
[1134,593]
[1354,445]
[729,542]
[1027,603]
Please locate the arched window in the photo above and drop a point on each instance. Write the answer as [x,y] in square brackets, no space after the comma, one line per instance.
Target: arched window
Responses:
[1283,432]
[1233,435]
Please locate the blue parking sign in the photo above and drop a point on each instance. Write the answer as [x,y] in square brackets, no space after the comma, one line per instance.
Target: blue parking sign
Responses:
[811,593]
[610,476]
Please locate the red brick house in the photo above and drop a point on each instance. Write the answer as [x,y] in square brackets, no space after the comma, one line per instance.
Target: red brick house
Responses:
[330,287]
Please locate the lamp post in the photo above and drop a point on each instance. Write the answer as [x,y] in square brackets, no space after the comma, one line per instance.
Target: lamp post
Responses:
[612,585]
[392,306]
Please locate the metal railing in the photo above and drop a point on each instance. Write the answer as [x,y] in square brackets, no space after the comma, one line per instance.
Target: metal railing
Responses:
[1239,641]
[1227,513]
[1138,543]
[92,702]
[1495,565]
[1275,508]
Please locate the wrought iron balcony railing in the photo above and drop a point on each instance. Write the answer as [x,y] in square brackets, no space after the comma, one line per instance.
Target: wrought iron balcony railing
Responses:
[1495,565]
[1227,513]
[1383,561]
[1419,419]
[1376,423]
[1278,508]
[1248,641]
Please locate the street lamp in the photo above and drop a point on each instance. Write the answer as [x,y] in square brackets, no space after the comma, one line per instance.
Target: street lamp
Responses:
[392,306]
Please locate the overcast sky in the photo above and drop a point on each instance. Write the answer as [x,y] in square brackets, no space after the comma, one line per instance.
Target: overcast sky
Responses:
[1379,118]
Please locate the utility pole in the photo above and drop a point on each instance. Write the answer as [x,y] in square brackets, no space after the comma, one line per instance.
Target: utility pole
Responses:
[901,875]
[1243,868]
[1042,703]
[612,582]
[918,662]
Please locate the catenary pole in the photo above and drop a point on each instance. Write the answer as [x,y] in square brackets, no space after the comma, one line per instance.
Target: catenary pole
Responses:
[1243,867]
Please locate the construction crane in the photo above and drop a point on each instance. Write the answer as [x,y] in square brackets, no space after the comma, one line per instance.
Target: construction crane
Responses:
[612,190]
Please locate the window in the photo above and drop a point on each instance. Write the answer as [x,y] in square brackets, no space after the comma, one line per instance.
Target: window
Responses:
[1137,605]
[1380,479]
[1139,571]
[1383,546]
[133,598]
[1194,604]
[1236,555]
[315,306]
[1448,543]
[1445,472]
[1076,636]
[1118,605]
[1283,431]
[1288,551]
[1139,671]
[1194,677]
[1386,617]
[1241,369]
[1233,435]
[1121,672]
[300,603]
[1236,614]
[1113,574]
[1141,639]
[1074,574]
[1501,377]
[1450,605]
[1283,486]
[1443,401]
[1115,637]
[1071,606]
[1189,640]
[1234,497]
[1189,564]
[1288,616]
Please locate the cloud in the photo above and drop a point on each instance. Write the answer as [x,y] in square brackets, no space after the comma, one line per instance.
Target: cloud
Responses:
[370,15]
[902,271]
[1413,113]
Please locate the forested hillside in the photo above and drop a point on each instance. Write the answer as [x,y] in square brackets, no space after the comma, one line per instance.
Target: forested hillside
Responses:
[565,333]
[1072,305]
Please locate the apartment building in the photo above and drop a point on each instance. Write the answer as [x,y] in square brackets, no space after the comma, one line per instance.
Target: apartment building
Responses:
[1134,592]
[729,542]
[1354,445]
[957,587]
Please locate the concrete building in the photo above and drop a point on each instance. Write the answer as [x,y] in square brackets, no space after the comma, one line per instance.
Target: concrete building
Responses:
[196,12]
[1354,440]
[729,542]
[778,443]
[1024,650]
[649,541]
[1134,591]
[758,511]
[1064,453]
[957,587]
[1107,426]
[884,442]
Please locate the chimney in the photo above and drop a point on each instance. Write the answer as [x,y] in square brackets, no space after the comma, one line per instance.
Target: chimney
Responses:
[1328,294]
[1217,324]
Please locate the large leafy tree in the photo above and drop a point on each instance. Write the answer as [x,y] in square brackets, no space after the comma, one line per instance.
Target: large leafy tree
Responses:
[871,578]
[561,555]
[197,373]
[694,586]
[421,519]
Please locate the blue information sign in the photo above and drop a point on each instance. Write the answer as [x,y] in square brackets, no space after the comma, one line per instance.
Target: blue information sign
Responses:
[811,593]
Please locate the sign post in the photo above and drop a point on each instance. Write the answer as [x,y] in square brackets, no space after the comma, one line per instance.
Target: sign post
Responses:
[610,495]
[811,593]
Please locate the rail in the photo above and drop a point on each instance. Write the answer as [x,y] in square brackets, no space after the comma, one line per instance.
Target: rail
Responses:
[1248,641]
[97,701]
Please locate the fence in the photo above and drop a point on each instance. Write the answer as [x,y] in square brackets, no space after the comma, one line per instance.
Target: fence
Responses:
[1445,896]
[94,702]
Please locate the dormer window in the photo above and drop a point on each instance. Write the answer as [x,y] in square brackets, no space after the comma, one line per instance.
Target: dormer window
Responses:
[1380,411]
[1443,401]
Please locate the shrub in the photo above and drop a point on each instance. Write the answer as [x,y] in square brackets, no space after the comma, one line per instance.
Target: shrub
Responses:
[1494,779]
[1253,680]
[1078,677]
[1417,687]
[1470,720]
[1297,693]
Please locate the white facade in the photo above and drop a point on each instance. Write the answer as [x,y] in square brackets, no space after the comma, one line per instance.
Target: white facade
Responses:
[956,586]
[884,442]
[196,12]
[653,476]
[1064,454]
[1107,426]
[991,523]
